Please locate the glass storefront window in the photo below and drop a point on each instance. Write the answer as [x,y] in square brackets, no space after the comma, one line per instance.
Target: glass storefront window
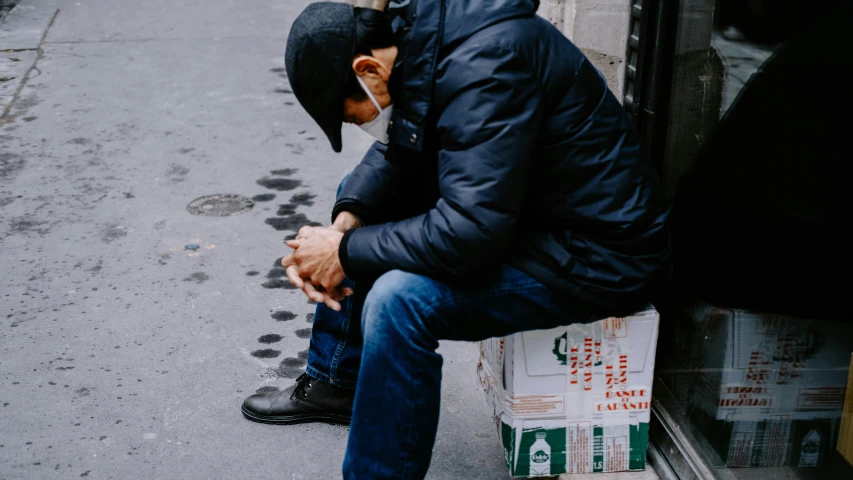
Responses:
[755,349]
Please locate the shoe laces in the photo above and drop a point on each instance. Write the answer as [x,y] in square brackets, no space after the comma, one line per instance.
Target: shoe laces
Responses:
[303,384]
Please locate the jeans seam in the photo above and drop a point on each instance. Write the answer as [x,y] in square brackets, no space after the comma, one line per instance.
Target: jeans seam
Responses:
[405,459]
[318,375]
[333,366]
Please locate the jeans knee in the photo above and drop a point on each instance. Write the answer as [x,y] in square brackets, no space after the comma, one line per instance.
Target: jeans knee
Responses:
[394,304]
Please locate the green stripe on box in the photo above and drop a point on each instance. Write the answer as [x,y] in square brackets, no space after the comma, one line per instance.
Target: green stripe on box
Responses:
[597,448]
[639,444]
[508,441]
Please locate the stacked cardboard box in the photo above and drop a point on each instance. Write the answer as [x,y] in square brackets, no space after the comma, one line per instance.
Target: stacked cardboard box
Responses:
[573,399]
[770,388]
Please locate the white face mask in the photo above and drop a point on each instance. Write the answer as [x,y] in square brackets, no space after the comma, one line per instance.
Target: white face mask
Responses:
[378,127]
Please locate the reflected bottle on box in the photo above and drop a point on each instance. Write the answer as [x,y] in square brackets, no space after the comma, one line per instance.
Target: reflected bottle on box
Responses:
[810,450]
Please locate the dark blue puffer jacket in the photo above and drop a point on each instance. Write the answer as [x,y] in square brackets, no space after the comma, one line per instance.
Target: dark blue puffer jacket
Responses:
[507,148]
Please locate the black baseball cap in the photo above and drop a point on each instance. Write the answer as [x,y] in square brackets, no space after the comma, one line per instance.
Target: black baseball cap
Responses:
[318,59]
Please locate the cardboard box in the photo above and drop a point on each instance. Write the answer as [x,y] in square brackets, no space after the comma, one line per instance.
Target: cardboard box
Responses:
[769,389]
[776,441]
[754,365]
[573,399]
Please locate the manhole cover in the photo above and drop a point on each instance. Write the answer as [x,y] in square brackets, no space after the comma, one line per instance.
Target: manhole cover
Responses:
[220,205]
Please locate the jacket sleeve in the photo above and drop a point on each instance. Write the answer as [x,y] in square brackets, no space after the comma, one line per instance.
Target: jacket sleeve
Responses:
[369,190]
[489,117]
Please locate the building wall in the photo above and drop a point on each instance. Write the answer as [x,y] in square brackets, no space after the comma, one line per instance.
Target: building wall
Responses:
[599,28]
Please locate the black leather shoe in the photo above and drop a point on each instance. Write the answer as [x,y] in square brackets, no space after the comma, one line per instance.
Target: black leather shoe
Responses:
[307,401]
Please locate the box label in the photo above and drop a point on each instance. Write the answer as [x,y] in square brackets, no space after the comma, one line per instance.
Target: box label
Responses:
[535,405]
[821,397]
[745,396]
[616,454]
[579,436]
[740,449]
[774,448]
[628,400]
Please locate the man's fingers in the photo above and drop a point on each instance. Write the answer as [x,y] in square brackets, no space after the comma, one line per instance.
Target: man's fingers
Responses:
[313,294]
[332,303]
[293,276]
[295,243]
[328,299]
[346,291]
[335,295]
[287,261]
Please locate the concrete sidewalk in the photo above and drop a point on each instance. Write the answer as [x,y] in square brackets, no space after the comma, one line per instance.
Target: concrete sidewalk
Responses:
[122,353]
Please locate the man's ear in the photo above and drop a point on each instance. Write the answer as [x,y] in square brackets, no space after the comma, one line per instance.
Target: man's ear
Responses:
[364,65]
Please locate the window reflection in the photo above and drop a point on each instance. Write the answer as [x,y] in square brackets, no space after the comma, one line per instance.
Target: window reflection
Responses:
[756,338]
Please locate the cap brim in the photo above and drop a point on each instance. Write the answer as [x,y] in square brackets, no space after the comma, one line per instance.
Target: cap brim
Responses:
[331,126]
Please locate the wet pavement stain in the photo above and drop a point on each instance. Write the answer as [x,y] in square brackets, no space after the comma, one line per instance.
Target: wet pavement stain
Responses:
[303,355]
[10,165]
[283,316]
[252,273]
[303,333]
[288,368]
[286,209]
[277,272]
[267,390]
[264,197]
[198,277]
[270,338]
[177,173]
[278,283]
[280,184]
[306,199]
[266,353]
[112,233]
[309,318]
[291,222]
[24,226]
[284,172]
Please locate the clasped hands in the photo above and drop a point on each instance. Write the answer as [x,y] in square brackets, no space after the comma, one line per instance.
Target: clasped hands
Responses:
[314,265]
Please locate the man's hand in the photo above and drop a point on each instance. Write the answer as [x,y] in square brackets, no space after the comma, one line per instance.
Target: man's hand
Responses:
[315,259]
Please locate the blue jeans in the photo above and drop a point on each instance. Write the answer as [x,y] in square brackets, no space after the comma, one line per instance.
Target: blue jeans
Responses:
[396,408]
[334,354]
[394,366]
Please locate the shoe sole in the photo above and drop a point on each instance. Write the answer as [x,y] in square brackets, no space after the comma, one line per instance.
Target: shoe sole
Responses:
[330,418]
